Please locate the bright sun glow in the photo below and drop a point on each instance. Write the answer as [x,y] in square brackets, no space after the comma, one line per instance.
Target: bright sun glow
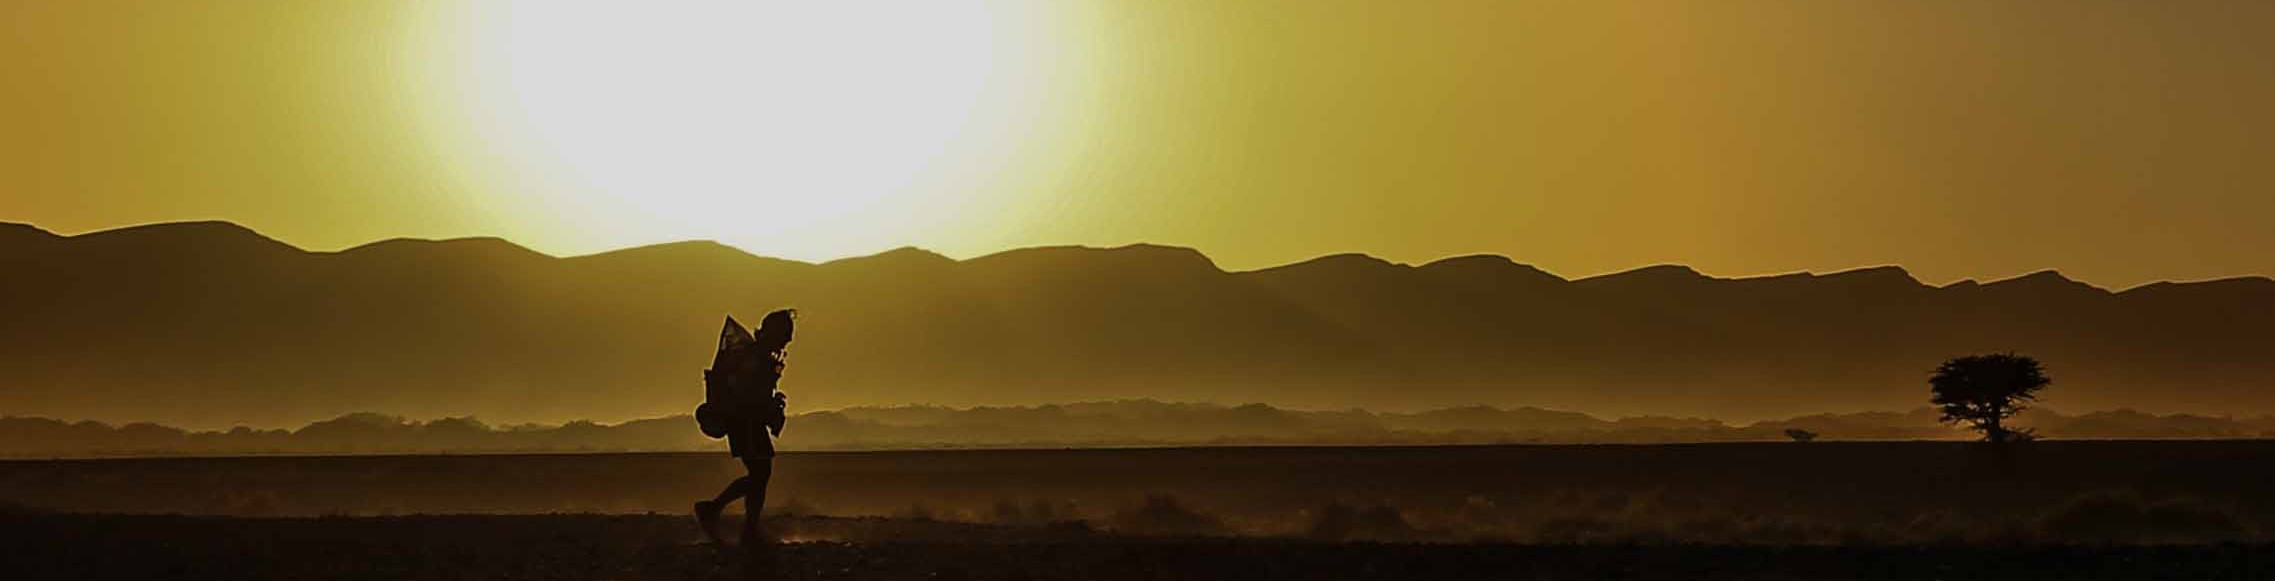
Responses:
[803,130]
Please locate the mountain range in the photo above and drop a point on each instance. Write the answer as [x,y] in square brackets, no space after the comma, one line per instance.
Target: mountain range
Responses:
[210,325]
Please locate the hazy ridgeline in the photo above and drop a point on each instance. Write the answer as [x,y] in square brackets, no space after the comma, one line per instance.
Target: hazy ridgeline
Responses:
[210,325]
[1123,423]
[1777,493]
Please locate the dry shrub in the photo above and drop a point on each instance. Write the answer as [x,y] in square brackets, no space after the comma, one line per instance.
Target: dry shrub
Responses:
[1162,514]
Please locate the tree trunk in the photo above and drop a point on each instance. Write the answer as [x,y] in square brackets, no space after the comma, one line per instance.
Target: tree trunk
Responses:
[1992,429]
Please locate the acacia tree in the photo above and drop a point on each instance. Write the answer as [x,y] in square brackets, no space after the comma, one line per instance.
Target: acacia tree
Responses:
[1982,391]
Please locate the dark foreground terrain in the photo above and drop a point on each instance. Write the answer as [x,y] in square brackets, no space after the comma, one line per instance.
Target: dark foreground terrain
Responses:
[665,547]
[1828,510]
[1851,493]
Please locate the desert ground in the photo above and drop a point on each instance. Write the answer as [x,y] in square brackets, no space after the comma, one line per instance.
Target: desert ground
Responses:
[662,547]
[1910,510]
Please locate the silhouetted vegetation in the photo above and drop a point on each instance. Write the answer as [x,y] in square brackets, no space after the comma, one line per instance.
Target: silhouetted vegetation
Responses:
[1982,391]
[1162,514]
[1800,435]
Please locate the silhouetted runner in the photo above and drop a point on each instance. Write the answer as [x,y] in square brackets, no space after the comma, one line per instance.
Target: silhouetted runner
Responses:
[743,404]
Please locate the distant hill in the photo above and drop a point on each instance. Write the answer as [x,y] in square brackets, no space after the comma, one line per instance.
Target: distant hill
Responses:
[212,325]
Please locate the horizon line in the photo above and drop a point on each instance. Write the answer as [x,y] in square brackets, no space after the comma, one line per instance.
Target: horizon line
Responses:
[1731,423]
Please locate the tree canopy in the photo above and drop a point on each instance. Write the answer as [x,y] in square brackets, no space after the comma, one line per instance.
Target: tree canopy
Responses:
[1982,391]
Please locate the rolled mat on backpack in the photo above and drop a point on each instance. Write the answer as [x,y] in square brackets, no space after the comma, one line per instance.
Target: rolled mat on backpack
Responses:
[714,416]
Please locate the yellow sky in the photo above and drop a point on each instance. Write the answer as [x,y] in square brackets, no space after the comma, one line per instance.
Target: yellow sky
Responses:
[2121,142]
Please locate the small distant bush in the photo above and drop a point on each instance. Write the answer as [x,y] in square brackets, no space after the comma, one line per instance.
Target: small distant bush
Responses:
[1800,435]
